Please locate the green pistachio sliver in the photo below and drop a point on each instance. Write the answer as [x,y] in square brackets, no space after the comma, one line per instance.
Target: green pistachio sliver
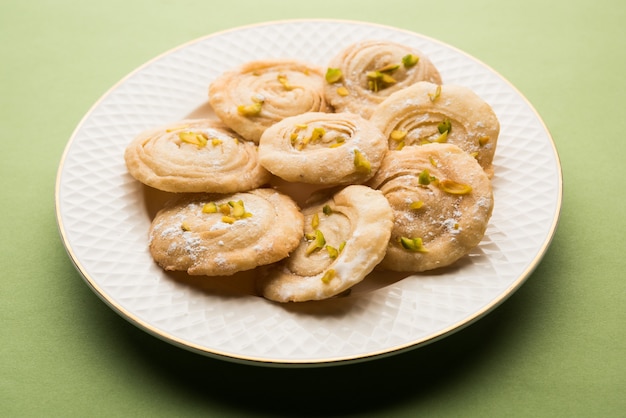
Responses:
[342,246]
[282,79]
[210,208]
[434,96]
[398,135]
[413,244]
[228,219]
[389,68]
[333,75]
[332,252]
[361,163]
[410,60]
[317,243]
[483,140]
[199,139]
[424,178]
[317,134]
[327,210]
[329,275]
[185,226]
[315,221]
[444,126]
[453,187]
[418,204]
[253,109]
[442,138]
[224,208]
[343,91]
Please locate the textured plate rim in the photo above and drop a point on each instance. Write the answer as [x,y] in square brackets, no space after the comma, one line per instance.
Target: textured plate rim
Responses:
[285,362]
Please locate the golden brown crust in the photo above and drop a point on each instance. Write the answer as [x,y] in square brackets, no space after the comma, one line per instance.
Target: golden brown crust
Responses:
[419,112]
[356,224]
[358,93]
[280,88]
[323,149]
[187,236]
[199,155]
[448,225]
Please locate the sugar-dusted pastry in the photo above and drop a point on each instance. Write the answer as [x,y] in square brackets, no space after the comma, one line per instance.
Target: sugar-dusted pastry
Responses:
[442,201]
[323,148]
[258,94]
[216,234]
[426,112]
[199,155]
[346,235]
[363,74]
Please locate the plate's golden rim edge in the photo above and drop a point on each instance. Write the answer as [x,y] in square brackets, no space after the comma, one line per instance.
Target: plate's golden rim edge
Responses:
[259,361]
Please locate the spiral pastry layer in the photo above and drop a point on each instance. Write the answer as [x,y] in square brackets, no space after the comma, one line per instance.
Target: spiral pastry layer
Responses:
[363,74]
[345,238]
[217,234]
[323,149]
[442,201]
[199,155]
[425,113]
[258,94]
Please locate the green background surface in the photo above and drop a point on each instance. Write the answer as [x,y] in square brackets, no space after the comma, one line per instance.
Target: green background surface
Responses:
[556,348]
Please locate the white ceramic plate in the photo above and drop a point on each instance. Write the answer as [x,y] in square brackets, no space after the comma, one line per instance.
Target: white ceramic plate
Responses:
[104,214]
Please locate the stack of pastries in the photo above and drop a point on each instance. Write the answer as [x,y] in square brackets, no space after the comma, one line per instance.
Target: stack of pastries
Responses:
[397,163]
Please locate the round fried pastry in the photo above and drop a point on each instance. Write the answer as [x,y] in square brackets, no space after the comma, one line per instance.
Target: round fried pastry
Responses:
[345,238]
[258,94]
[442,201]
[363,74]
[219,235]
[191,156]
[426,113]
[323,149]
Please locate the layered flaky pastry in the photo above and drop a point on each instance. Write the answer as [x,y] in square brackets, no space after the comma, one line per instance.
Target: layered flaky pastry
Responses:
[199,155]
[442,201]
[345,238]
[363,74]
[258,94]
[217,234]
[430,113]
[323,149]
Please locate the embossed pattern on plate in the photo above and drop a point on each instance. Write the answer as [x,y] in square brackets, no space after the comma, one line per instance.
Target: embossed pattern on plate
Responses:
[103,215]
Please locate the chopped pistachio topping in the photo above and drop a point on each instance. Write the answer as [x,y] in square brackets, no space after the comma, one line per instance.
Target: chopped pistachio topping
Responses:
[315,221]
[398,135]
[474,154]
[432,161]
[410,60]
[389,68]
[333,75]
[416,205]
[238,209]
[401,145]
[424,178]
[327,210]
[482,141]
[332,251]
[225,208]
[361,163]
[209,208]
[328,276]
[253,109]
[317,134]
[452,187]
[199,139]
[342,91]
[377,80]
[444,126]
[282,79]
[228,219]
[434,96]
[318,242]
[185,226]
[413,244]
[216,141]
[342,246]
[301,125]
[442,138]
